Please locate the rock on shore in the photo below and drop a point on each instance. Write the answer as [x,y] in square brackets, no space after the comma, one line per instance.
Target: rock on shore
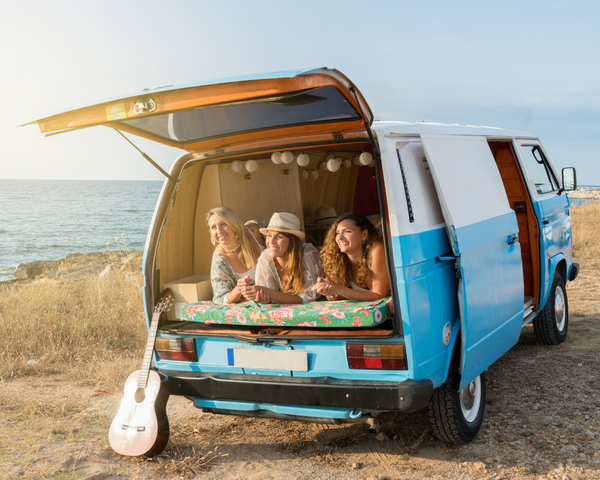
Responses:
[592,193]
[78,266]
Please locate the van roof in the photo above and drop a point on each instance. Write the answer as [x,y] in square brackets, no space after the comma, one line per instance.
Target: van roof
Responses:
[404,128]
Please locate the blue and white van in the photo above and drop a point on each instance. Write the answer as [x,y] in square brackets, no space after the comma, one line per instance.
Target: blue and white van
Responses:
[475,221]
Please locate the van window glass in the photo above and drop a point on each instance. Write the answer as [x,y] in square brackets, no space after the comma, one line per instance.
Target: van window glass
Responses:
[540,171]
[320,105]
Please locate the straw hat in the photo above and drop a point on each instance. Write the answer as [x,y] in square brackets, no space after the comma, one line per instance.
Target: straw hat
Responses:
[286,223]
[325,214]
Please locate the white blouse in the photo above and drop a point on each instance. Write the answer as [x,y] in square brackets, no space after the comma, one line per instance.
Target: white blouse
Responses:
[267,276]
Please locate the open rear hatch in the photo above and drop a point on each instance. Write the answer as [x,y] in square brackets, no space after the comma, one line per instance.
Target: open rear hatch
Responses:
[205,116]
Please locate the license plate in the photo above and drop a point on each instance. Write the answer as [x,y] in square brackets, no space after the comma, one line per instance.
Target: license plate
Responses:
[268,359]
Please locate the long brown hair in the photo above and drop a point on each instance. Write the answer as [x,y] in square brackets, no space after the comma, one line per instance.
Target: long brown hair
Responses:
[248,254]
[293,265]
[336,265]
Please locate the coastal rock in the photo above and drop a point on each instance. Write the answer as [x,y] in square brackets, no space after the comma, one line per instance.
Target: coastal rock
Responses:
[79,266]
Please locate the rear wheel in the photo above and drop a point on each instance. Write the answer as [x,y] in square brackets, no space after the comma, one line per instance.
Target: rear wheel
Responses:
[456,417]
[553,320]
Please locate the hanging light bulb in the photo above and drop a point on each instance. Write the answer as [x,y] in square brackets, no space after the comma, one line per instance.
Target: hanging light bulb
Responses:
[303,159]
[347,163]
[315,174]
[333,164]
[287,157]
[252,166]
[365,158]
[356,161]
[304,174]
[276,158]
[236,166]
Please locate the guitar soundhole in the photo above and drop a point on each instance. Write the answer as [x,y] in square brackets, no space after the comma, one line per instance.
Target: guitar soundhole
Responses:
[140,395]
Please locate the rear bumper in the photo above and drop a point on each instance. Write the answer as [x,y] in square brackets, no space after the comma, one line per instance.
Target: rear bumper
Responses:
[405,396]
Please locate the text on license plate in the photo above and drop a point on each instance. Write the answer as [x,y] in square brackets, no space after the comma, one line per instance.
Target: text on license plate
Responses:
[268,359]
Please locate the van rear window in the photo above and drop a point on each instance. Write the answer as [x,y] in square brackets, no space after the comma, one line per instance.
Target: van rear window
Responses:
[320,105]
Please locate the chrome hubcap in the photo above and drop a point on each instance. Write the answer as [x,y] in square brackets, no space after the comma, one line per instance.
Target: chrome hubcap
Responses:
[559,309]
[470,400]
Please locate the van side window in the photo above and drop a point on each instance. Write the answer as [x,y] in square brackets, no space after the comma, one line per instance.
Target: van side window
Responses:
[540,171]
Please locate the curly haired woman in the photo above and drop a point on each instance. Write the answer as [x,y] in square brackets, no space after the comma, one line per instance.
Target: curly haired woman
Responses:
[353,259]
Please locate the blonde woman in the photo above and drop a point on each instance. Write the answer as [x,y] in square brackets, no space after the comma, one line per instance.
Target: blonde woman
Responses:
[235,255]
[353,258]
[287,270]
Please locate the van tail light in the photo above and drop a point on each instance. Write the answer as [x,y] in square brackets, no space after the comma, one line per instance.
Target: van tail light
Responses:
[382,357]
[176,349]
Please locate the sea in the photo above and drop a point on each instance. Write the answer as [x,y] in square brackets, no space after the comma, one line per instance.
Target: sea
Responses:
[50,219]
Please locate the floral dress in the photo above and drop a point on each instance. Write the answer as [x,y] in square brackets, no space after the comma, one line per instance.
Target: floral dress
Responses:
[267,276]
[223,278]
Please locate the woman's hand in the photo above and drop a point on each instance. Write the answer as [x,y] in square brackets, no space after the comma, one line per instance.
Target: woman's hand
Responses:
[253,292]
[326,287]
[243,284]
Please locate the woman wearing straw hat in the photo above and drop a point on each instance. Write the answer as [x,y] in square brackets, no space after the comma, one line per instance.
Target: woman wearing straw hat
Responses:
[353,259]
[288,268]
[235,255]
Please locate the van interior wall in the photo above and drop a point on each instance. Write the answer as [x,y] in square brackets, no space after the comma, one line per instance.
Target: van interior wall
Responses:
[185,246]
[520,202]
[176,244]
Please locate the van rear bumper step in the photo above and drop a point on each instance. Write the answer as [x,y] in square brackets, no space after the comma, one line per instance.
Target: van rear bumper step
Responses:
[406,396]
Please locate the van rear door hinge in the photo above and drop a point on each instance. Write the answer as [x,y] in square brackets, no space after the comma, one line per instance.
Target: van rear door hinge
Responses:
[457,268]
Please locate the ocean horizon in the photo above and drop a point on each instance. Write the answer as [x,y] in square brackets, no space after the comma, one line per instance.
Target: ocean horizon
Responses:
[50,219]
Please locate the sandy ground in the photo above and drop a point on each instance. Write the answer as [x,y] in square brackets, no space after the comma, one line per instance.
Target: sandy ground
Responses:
[541,421]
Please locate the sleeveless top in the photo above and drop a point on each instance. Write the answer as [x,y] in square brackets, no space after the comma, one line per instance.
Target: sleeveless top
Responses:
[354,286]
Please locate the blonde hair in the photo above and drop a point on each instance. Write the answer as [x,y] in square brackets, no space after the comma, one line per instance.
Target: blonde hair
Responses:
[336,265]
[293,264]
[248,254]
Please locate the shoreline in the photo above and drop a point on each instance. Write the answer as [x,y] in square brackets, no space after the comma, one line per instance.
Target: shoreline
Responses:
[76,266]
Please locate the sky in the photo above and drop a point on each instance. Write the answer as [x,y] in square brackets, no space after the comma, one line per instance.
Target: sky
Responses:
[523,65]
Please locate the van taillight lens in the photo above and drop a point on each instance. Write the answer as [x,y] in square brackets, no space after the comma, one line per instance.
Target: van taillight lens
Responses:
[383,357]
[176,349]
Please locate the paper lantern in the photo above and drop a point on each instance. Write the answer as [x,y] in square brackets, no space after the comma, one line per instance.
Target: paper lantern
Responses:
[365,158]
[276,158]
[347,163]
[323,165]
[252,166]
[356,161]
[287,157]
[314,174]
[333,164]
[236,166]
[303,159]
[304,174]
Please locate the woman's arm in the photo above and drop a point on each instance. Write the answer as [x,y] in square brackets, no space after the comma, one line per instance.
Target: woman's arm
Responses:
[223,282]
[381,283]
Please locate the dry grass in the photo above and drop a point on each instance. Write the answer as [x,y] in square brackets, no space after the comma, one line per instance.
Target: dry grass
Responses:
[92,328]
[586,228]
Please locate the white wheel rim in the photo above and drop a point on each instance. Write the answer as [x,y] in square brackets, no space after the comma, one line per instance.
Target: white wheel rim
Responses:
[470,400]
[559,308]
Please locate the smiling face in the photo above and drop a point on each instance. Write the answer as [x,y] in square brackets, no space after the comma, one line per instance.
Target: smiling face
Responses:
[349,237]
[277,243]
[220,232]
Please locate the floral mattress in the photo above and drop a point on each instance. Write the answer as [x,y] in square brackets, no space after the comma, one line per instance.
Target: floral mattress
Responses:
[344,313]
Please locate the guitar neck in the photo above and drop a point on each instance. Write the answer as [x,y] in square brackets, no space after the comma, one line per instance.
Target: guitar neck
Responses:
[144,371]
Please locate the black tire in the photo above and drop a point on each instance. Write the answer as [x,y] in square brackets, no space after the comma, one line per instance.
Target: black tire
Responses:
[456,417]
[552,322]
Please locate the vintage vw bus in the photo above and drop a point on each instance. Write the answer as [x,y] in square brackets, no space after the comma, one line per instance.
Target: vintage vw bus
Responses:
[475,221]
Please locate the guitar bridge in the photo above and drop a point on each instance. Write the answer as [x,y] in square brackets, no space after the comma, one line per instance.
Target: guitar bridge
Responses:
[133,427]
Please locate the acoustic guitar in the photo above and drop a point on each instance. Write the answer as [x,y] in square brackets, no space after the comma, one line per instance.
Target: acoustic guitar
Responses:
[141,426]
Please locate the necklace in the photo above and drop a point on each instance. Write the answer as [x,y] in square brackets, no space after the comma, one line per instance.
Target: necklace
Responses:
[233,249]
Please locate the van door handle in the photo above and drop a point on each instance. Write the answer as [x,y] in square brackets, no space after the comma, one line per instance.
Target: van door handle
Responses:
[445,258]
[512,239]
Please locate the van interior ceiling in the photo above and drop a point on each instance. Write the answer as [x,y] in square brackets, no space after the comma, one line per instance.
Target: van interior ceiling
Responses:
[185,247]
[520,202]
